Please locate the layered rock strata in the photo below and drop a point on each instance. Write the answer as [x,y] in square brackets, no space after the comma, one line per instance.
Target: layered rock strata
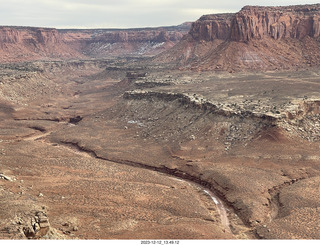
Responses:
[276,22]
[254,22]
[33,43]
[258,38]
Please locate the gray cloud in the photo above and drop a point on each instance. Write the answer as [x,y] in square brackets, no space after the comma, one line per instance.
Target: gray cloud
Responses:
[117,13]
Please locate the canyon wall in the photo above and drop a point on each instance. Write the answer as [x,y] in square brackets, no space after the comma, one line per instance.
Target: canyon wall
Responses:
[31,43]
[262,38]
[19,35]
[276,22]
[255,38]
[210,27]
[253,22]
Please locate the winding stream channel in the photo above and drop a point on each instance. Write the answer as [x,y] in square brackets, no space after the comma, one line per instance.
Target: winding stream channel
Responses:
[221,209]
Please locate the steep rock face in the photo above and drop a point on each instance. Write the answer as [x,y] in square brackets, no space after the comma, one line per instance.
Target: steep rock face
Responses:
[276,22]
[210,27]
[48,36]
[9,35]
[254,22]
[31,43]
[261,38]
[16,35]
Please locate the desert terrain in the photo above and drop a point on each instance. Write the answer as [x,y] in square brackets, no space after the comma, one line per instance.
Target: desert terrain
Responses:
[211,133]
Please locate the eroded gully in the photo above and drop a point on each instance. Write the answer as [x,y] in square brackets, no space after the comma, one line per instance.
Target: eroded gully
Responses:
[172,173]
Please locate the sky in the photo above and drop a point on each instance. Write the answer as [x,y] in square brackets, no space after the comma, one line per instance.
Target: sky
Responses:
[119,13]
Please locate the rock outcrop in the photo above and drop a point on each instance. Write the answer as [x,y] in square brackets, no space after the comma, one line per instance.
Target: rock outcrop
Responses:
[25,35]
[210,27]
[9,35]
[38,226]
[31,43]
[48,36]
[262,38]
[276,22]
[254,22]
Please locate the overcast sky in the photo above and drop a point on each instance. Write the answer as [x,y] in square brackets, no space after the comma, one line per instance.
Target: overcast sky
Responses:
[118,13]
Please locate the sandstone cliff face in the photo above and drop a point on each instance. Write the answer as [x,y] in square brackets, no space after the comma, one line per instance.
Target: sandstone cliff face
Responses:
[31,43]
[262,38]
[277,22]
[41,36]
[210,27]
[254,22]
[9,35]
[48,36]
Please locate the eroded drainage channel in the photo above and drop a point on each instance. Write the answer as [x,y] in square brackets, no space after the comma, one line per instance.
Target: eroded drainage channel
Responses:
[222,210]
[172,173]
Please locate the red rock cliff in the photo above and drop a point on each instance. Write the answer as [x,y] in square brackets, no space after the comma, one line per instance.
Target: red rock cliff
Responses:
[262,38]
[9,35]
[276,22]
[254,22]
[32,43]
[48,36]
[210,27]
[15,35]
